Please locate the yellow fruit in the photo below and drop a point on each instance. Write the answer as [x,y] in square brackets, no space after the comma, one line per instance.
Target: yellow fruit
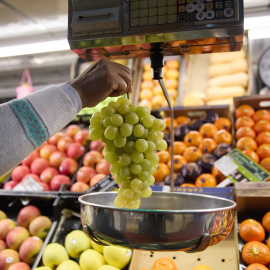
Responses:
[145,102]
[201,267]
[157,101]
[172,93]
[147,84]
[146,94]
[157,90]
[147,75]
[147,66]
[172,74]
[172,64]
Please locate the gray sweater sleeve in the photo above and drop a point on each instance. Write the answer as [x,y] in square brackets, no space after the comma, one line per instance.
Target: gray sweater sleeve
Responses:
[28,122]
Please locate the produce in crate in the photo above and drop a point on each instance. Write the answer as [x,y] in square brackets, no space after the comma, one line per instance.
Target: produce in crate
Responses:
[131,136]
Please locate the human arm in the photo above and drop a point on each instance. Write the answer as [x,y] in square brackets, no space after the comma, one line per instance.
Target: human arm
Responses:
[28,122]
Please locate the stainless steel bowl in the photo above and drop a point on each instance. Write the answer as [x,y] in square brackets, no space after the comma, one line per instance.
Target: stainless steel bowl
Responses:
[164,221]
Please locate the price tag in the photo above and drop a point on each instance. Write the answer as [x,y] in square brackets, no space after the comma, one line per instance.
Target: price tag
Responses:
[28,184]
[226,165]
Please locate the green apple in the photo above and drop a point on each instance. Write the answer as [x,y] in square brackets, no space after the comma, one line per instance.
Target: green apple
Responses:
[108,267]
[3,215]
[90,259]
[54,254]
[117,256]
[68,265]
[96,246]
[43,268]
[77,242]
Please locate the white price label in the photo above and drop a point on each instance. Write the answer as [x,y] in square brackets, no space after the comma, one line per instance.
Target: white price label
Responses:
[226,165]
[28,184]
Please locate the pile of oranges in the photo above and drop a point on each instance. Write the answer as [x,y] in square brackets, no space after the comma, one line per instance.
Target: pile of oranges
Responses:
[256,251]
[151,94]
[195,155]
[253,134]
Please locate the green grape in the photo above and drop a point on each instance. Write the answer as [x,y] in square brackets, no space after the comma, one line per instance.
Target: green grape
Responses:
[115,167]
[95,134]
[141,111]
[123,109]
[132,204]
[151,170]
[141,145]
[144,185]
[104,139]
[158,125]
[120,141]
[107,112]
[129,147]
[151,180]
[114,105]
[147,192]
[111,132]
[123,100]
[137,195]
[131,118]
[136,185]
[110,146]
[119,151]
[136,168]
[160,135]
[120,191]
[124,172]
[96,114]
[125,159]
[152,135]
[91,127]
[132,108]
[107,122]
[101,125]
[161,145]
[147,121]
[144,175]
[155,166]
[117,120]
[153,158]
[132,137]
[137,157]
[125,184]
[148,111]
[126,129]
[111,157]
[138,130]
[146,131]
[95,121]
[145,164]
[118,179]
[127,194]
[151,147]
[120,201]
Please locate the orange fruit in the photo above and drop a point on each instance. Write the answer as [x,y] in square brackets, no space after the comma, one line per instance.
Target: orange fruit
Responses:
[178,148]
[265,163]
[146,94]
[147,75]
[268,242]
[263,137]
[171,83]
[192,154]
[187,185]
[256,266]
[172,64]
[164,156]
[245,132]
[256,252]
[201,267]
[252,155]
[206,180]
[223,136]
[223,123]
[147,84]
[263,151]
[244,121]
[246,143]
[168,123]
[193,138]
[179,161]
[218,174]
[244,110]
[164,263]
[262,126]
[208,130]
[183,120]
[207,145]
[161,172]
[145,102]
[266,222]
[251,230]
[261,115]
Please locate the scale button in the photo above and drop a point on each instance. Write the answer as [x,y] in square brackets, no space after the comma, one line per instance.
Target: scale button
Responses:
[219,14]
[181,2]
[228,4]
[210,14]
[200,6]
[209,5]
[190,7]
[228,12]
[200,16]
[181,17]
[181,9]
[191,17]
[219,5]
[190,1]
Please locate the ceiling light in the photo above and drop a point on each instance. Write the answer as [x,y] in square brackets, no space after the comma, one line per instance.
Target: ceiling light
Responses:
[257,22]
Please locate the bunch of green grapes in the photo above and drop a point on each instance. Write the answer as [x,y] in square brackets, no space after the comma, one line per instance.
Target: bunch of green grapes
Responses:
[132,136]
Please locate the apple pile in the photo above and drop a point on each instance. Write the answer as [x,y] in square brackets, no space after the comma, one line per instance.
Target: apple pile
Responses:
[79,252]
[94,168]
[21,241]
[54,162]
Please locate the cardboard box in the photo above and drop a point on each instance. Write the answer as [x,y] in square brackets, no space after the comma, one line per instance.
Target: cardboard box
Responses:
[257,102]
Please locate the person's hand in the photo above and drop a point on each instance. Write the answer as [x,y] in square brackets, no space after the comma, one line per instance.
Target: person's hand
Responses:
[101,80]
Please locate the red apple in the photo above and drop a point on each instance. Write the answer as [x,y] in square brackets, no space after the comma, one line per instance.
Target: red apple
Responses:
[45,186]
[16,236]
[6,225]
[75,150]
[82,137]
[27,214]
[63,143]
[72,130]
[97,145]
[97,178]
[29,249]
[3,215]
[58,180]
[39,165]
[28,160]
[40,226]
[8,257]
[47,175]
[10,185]
[19,266]
[2,245]
[103,167]
[55,138]
[34,176]
[68,166]
[85,174]
[46,151]
[56,158]
[91,158]
[79,187]
[19,172]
